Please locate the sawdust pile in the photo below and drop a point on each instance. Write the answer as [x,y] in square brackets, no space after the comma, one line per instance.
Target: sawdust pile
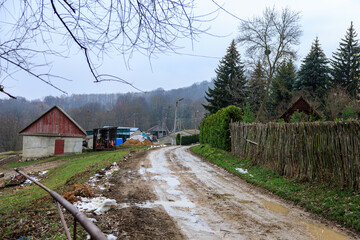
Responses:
[138,143]
[77,191]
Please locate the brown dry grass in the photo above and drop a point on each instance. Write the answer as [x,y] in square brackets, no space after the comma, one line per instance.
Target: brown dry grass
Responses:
[78,190]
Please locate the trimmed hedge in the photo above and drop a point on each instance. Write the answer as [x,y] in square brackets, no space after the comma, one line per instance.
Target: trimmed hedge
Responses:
[214,129]
[190,139]
[178,136]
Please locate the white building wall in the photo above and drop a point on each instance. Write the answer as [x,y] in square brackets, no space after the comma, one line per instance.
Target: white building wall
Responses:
[38,146]
[72,145]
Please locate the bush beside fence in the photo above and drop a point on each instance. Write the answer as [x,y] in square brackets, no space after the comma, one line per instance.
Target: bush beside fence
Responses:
[189,139]
[178,137]
[321,151]
[214,129]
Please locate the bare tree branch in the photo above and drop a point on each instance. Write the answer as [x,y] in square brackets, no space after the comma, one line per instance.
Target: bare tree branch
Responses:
[228,12]
[33,74]
[2,90]
[97,27]
[269,39]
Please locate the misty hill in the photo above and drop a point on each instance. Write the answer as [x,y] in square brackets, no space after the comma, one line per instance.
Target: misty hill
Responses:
[194,92]
[142,110]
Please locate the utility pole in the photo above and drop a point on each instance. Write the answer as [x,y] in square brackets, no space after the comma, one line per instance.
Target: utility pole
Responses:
[134,115]
[176,107]
[195,121]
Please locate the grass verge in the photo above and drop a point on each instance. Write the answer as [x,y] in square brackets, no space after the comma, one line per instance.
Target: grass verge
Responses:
[342,206]
[20,205]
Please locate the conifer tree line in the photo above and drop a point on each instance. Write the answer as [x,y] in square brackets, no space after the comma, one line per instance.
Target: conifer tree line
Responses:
[332,86]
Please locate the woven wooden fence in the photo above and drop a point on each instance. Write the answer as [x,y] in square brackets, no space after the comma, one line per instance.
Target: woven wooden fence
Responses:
[321,151]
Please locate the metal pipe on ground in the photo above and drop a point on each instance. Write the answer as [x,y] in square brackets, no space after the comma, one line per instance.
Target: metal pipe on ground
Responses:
[89,226]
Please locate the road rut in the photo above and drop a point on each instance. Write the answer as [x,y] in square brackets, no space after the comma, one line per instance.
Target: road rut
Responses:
[207,202]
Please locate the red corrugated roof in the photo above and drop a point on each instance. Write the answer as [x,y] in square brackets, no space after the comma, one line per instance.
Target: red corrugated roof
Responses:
[54,122]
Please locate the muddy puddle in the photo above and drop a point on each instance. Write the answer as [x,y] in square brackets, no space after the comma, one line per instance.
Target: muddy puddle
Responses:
[317,231]
[274,207]
[320,232]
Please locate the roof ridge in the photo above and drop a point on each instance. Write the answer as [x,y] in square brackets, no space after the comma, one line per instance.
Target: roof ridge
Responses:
[62,111]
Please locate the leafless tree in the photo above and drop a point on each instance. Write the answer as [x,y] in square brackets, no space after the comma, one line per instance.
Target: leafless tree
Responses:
[270,39]
[30,31]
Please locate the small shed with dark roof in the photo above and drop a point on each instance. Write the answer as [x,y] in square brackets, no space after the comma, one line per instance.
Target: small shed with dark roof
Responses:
[302,106]
[53,133]
[158,131]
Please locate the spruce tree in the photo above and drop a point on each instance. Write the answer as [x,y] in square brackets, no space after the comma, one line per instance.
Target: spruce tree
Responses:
[313,75]
[238,85]
[257,87]
[229,82]
[346,63]
[283,83]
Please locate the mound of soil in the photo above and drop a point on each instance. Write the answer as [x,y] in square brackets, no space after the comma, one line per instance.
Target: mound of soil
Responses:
[138,143]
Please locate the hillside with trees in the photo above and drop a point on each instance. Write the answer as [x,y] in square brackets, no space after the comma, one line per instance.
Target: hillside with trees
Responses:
[142,110]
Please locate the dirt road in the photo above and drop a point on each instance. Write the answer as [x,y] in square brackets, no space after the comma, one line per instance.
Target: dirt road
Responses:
[177,195]
[37,167]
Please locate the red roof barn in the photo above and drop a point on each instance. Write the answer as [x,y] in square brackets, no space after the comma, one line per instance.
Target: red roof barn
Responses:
[53,133]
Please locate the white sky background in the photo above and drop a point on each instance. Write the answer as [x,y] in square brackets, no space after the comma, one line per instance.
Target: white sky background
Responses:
[326,19]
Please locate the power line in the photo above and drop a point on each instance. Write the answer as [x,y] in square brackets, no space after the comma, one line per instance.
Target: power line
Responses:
[195,55]
[231,14]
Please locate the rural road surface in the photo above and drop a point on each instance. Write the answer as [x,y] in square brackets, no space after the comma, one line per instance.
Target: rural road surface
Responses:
[206,202]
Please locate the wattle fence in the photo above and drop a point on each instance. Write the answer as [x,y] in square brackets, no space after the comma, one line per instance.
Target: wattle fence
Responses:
[322,151]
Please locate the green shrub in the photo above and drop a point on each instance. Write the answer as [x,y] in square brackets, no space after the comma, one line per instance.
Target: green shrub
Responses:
[247,116]
[323,119]
[298,117]
[178,139]
[187,140]
[281,120]
[348,112]
[214,129]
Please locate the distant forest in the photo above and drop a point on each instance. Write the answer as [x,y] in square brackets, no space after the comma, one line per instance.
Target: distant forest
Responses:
[142,110]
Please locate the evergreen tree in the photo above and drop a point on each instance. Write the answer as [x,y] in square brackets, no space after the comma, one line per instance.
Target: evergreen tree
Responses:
[283,83]
[257,87]
[346,63]
[229,83]
[238,86]
[314,72]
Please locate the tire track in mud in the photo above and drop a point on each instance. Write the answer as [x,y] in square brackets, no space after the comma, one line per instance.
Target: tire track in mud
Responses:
[209,203]
[130,220]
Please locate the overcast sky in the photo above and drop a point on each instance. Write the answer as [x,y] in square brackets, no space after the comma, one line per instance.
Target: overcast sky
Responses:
[326,19]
